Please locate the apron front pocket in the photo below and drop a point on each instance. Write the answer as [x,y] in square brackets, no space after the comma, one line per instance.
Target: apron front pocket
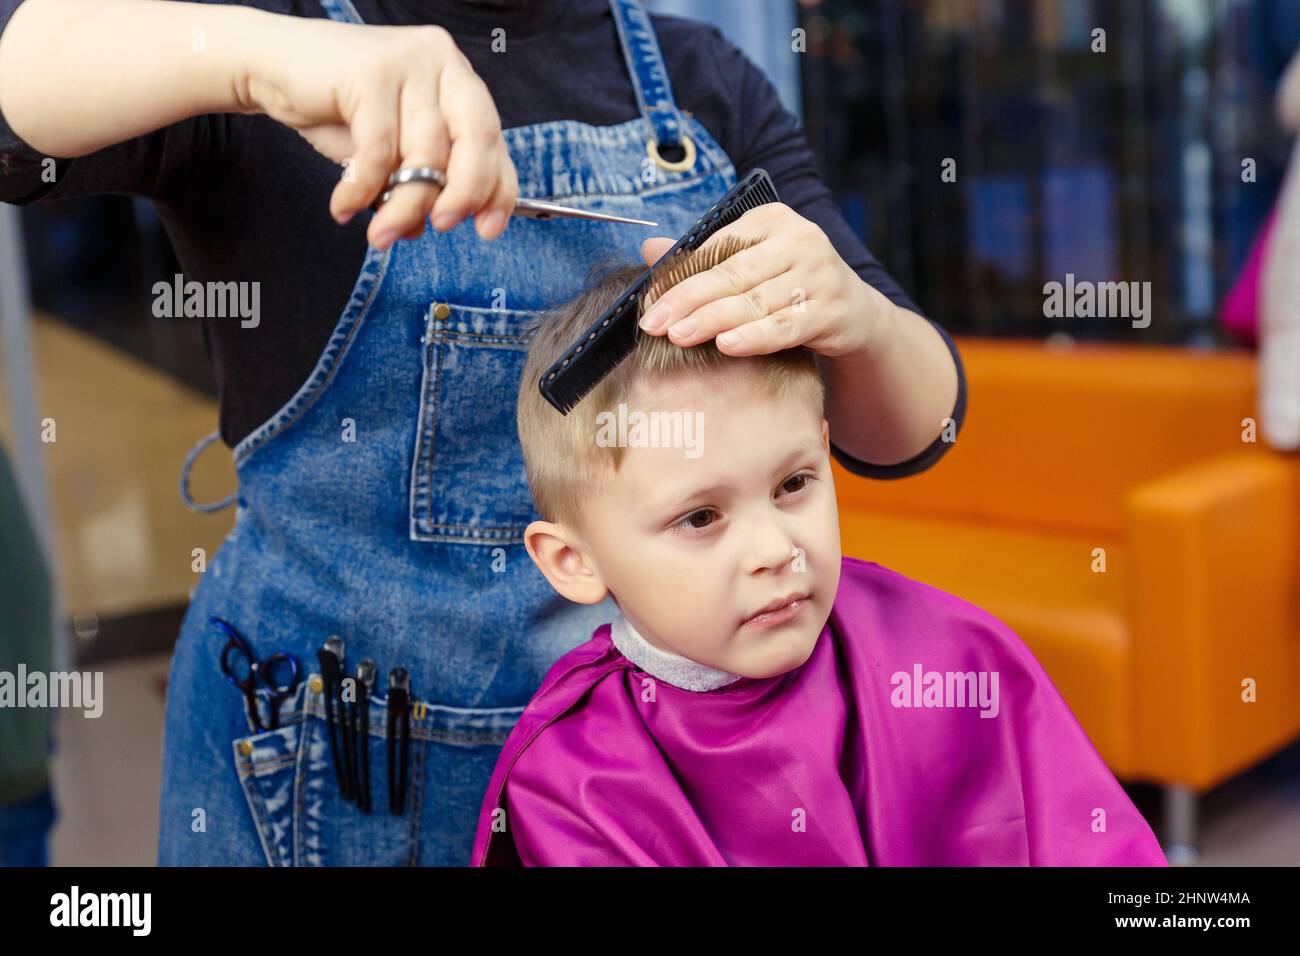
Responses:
[267,764]
[289,780]
[468,483]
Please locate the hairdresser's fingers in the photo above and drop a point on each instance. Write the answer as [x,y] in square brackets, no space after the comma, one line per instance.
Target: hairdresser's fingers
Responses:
[404,214]
[782,329]
[773,233]
[374,131]
[743,309]
[653,249]
[423,142]
[738,273]
[492,220]
[474,167]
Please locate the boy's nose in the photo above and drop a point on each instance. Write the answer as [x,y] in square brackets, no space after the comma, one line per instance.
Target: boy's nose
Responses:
[771,546]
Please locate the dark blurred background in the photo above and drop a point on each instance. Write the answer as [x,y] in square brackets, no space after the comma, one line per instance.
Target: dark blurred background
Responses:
[1127,163]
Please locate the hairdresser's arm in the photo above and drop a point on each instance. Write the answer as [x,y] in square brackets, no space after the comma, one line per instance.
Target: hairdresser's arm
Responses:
[891,376]
[77,76]
[890,400]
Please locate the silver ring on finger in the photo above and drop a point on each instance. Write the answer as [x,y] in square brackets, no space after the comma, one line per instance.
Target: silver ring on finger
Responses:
[412,174]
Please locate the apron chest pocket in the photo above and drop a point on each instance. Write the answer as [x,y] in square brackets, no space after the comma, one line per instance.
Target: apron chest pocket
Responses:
[468,483]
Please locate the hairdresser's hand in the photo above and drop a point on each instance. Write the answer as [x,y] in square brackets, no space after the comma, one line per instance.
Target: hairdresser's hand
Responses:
[376,99]
[790,288]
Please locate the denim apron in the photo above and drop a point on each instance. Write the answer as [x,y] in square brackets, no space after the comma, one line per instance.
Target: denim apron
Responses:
[386,502]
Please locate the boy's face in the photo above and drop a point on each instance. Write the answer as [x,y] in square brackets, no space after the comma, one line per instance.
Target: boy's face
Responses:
[693,542]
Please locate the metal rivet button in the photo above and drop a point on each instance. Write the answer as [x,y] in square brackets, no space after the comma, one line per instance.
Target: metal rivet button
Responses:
[441,310]
[245,748]
[316,684]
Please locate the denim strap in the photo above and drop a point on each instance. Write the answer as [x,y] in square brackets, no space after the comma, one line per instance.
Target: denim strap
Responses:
[645,64]
[190,458]
[341,10]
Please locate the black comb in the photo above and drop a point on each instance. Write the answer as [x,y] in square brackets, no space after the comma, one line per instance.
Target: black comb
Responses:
[612,337]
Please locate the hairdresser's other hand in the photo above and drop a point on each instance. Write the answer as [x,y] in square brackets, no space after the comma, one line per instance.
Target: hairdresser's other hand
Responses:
[376,99]
[790,288]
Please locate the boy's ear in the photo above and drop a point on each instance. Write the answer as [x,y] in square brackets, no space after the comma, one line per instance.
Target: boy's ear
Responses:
[826,435]
[556,551]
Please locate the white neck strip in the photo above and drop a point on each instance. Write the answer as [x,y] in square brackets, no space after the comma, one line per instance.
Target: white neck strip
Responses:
[666,666]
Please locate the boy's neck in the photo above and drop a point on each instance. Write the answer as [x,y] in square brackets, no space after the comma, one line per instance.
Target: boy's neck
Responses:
[665,665]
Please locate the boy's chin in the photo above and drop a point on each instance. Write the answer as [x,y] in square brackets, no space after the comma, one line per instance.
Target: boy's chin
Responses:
[780,654]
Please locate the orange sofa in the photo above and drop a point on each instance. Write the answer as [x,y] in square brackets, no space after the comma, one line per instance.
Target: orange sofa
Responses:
[1132,455]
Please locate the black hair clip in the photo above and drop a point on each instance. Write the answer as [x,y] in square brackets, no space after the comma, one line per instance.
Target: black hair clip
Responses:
[399,723]
[366,672]
[331,657]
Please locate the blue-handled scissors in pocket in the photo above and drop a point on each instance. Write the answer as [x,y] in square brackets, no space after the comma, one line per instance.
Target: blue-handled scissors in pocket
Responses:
[244,670]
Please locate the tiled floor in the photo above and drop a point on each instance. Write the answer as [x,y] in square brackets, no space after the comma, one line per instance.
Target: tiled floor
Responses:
[107,770]
[124,539]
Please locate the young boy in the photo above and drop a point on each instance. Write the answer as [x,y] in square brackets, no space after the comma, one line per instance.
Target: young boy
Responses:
[762,700]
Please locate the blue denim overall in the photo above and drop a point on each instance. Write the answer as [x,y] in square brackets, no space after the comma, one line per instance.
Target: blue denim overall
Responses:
[386,502]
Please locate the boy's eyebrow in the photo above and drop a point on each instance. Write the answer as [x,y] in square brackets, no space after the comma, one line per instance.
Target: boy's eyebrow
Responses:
[676,499]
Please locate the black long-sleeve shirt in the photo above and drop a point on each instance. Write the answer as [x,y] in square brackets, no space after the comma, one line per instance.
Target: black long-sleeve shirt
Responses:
[246,197]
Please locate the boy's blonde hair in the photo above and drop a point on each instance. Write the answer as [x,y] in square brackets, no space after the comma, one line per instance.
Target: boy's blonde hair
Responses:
[563,460]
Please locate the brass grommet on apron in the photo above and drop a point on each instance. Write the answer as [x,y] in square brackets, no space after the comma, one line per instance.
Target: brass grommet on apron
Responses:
[683,164]
[441,310]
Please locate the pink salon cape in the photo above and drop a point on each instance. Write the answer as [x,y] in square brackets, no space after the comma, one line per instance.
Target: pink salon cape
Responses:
[838,762]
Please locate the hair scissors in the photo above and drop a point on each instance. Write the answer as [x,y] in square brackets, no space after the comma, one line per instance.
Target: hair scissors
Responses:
[245,674]
[529,208]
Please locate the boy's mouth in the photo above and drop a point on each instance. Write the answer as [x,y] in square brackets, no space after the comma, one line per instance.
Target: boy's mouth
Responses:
[779,611]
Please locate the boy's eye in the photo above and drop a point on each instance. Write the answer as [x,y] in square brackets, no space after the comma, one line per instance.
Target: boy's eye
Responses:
[689,522]
[702,518]
[800,481]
